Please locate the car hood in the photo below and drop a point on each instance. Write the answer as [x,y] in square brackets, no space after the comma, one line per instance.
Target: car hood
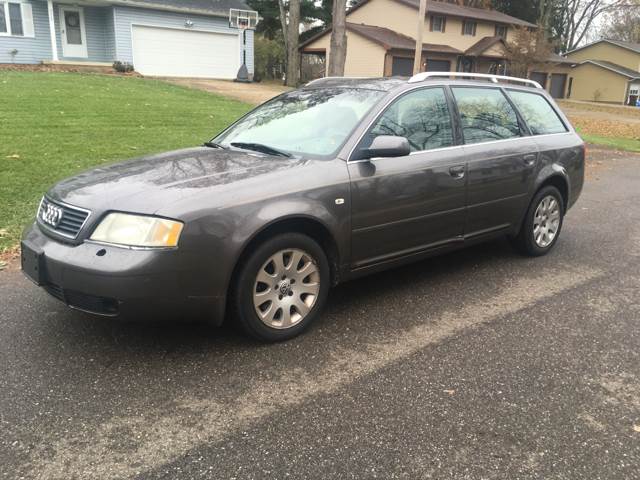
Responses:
[145,185]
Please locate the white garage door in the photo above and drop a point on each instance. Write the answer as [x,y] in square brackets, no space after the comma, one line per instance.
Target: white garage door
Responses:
[167,52]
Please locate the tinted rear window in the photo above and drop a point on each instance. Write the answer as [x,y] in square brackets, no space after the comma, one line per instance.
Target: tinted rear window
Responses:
[538,113]
[486,115]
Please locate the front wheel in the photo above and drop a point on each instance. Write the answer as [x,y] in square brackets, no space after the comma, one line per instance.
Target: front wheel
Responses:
[542,224]
[282,287]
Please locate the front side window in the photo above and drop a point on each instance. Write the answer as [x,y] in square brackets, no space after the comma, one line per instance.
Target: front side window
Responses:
[537,113]
[312,123]
[422,117]
[501,31]
[486,115]
[469,28]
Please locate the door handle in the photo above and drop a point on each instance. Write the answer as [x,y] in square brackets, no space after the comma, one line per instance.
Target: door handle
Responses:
[530,160]
[457,171]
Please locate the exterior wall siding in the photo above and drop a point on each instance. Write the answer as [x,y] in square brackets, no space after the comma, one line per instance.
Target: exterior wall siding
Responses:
[125,17]
[29,50]
[95,19]
[108,31]
[364,57]
[403,20]
[611,53]
[595,84]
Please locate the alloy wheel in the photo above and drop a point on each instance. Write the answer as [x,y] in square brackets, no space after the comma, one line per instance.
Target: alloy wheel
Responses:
[546,221]
[286,288]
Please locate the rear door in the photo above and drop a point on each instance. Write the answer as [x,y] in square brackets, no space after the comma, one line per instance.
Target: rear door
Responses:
[409,204]
[502,159]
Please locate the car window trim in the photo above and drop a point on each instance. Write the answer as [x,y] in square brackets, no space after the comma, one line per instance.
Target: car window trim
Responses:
[544,97]
[386,107]
[524,129]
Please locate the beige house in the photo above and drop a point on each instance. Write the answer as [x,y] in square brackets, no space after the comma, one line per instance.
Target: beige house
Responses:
[381,41]
[607,71]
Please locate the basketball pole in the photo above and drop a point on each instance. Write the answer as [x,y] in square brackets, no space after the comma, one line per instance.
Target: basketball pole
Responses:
[243,73]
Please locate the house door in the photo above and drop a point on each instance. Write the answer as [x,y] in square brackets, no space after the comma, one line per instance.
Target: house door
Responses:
[72,32]
[558,82]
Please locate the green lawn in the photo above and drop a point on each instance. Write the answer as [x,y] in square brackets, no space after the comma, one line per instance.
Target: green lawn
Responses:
[53,125]
[628,144]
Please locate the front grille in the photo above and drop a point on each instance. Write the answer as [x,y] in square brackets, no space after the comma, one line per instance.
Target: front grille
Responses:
[63,219]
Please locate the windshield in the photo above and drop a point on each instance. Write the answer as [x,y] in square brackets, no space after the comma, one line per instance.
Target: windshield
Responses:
[308,123]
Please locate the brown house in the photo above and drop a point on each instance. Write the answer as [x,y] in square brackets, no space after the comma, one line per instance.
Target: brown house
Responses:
[381,41]
[607,71]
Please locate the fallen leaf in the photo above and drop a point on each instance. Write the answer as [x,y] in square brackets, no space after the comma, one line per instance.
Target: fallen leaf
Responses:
[3,265]
[450,392]
[15,155]
[636,428]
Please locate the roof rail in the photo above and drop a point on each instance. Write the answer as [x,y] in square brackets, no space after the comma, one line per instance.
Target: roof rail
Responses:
[323,79]
[420,77]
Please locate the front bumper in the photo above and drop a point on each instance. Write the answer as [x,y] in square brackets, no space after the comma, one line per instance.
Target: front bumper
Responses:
[121,282]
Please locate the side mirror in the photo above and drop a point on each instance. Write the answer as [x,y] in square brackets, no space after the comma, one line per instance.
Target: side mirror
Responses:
[387,146]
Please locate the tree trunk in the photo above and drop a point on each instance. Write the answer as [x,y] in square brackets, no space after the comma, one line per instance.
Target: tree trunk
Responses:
[293,37]
[338,49]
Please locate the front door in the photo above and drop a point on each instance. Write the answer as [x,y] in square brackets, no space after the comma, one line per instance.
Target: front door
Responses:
[72,32]
[407,205]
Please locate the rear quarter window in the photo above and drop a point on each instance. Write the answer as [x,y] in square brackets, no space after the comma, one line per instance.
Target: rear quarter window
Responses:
[537,113]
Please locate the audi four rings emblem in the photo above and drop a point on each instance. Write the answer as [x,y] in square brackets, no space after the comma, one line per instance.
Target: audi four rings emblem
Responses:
[51,215]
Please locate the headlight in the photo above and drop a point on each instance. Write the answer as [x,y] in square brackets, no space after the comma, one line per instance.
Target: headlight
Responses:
[138,231]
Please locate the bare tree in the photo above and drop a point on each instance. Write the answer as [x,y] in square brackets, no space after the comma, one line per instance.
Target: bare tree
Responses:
[338,49]
[291,28]
[529,50]
[579,16]
[623,23]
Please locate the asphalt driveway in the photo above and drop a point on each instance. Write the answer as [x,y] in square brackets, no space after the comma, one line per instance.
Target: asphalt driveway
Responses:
[478,364]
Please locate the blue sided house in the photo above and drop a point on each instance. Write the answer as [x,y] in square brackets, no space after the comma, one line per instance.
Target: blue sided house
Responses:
[175,38]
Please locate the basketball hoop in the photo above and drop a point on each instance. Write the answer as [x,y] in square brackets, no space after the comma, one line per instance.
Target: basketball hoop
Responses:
[243,20]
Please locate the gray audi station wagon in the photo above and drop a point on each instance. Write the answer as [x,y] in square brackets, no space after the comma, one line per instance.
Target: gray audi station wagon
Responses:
[338,179]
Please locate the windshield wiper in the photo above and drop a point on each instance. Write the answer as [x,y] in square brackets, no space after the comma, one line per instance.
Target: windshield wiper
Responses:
[213,145]
[259,147]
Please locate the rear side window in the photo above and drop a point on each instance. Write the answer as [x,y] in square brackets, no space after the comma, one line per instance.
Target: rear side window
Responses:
[486,115]
[422,117]
[538,113]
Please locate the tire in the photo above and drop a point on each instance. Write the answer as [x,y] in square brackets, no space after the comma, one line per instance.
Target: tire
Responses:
[268,286]
[531,240]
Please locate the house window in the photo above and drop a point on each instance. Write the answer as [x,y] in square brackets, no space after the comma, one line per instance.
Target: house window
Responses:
[3,18]
[15,18]
[12,21]
[438,23]
[469,28]
[501,31]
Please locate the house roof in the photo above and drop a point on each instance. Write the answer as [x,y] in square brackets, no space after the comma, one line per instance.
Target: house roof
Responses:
[634,47]
[389,39]
[613,67]
[455,10]
[205,7]
[394,40]
[482,45]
